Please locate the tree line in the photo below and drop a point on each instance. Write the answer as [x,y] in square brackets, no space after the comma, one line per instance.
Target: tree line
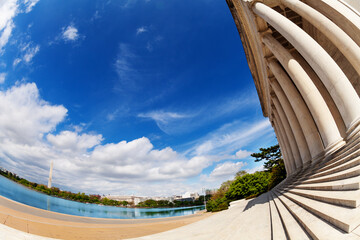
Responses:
[151,203]
[56,192]
[96,199]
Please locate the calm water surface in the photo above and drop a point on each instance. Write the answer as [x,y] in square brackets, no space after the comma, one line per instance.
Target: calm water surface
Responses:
[19,193]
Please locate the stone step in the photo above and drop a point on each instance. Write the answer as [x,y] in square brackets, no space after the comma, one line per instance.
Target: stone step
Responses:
[315,226]
[340,160]
[348,148]
[330,164]
[346,165]
[342,198]
[344,155]
[339,185]
[277,227]
[348,173]
[322,169]
[344,218]
[292,227]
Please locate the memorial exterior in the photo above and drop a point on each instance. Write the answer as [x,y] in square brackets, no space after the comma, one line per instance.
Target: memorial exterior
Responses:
[304,57]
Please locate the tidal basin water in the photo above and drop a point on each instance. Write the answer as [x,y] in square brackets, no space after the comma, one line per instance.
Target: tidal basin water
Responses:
[19,193]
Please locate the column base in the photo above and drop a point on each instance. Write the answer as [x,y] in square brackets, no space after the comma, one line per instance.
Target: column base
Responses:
[317,158]
[353,131]
[334,147]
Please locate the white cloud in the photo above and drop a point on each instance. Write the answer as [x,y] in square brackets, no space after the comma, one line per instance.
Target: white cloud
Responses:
[231,137]
[16,62]
[30,53]
[161,117]
[227,169]
[128,75]
[8,10]
[2,77]
[29,4]
[70,33]
[141,30]
[24,116]
[255,169]
[201,114]
[72,141]
[96,15]
[242,154]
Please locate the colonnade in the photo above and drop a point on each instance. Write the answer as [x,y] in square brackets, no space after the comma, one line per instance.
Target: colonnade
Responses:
[305,59]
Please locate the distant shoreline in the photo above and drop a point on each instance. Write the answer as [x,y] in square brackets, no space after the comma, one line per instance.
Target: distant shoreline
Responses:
[84,198]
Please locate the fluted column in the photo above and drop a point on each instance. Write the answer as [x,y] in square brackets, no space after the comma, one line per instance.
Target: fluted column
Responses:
[335,34]
[340,14]
[283,151]
[324,93]
[301,111]
[285,145]
[279,113]
[293,121]
[319,110]
[331,75]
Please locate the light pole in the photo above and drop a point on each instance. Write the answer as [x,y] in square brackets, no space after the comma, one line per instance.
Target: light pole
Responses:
[204,191]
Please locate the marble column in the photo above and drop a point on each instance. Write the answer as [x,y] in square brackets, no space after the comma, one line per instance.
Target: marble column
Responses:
[301,111]
[284,148]
[341,15]
[319,110]
[283,152]
[279,113]
[331,75]
[335,34]
[289,160]
[293,121]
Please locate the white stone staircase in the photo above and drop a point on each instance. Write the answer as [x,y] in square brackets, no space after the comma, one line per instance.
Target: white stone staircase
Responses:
[323,199]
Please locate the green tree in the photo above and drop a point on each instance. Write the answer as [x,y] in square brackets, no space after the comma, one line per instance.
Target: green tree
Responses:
[271,156]
[273,164]
[248,185]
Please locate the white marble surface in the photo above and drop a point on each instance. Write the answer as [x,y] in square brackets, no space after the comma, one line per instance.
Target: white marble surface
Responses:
[7,233]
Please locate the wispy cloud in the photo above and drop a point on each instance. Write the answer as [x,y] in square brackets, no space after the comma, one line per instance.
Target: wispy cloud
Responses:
[16,61]
[28,51]
[228,139]
[2,77]
[161,117]
[124,66]
[141,30]
[29,4]
[8,10]
[201,115]
[96,15]
[70,33]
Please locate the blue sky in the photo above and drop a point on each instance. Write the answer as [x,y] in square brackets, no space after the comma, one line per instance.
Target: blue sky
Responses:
[145,97]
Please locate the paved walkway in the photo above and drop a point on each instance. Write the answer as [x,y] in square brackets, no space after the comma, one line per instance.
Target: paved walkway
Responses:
[8,233]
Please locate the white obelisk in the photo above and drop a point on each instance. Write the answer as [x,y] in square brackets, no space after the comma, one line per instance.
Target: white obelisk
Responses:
[50,174]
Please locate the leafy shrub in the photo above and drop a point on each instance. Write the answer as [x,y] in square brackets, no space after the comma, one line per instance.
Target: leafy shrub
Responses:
[248,184]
